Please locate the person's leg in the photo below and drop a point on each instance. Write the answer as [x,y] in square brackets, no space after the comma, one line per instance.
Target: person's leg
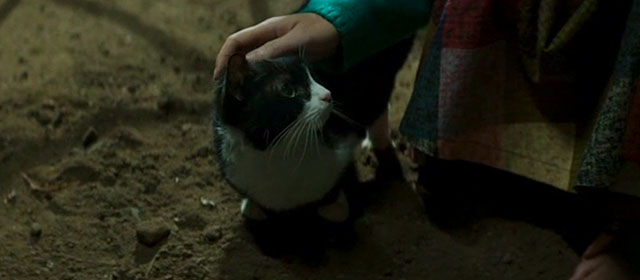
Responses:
[379,132]
[377,76]
[362,94]
[456,191]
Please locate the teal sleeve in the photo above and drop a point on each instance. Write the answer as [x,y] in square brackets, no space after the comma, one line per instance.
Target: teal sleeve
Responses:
[367,27]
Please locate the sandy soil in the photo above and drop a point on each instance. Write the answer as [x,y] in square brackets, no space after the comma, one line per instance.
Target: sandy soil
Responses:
[105,145]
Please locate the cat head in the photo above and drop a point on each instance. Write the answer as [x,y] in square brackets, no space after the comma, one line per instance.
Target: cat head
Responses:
[265,99]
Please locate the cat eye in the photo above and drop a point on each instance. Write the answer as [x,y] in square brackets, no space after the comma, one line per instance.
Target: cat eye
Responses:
[289,93]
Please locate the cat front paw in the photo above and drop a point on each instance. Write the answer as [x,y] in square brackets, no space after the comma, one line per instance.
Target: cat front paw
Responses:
[336,212]
[251,210]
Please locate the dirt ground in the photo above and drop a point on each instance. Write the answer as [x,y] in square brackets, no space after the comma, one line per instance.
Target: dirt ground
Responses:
[105,145]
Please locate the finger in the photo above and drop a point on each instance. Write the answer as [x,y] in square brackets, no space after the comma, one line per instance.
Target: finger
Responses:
[584,270]
[598,246]
[286,44]
[248,39]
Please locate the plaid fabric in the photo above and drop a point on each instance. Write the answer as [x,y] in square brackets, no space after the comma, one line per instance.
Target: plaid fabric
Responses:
[547,89]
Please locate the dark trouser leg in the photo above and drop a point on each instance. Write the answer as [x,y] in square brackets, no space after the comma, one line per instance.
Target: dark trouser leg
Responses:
[363,92]
[458,192]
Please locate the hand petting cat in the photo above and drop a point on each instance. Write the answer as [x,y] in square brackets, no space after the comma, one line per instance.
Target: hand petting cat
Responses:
[280,36]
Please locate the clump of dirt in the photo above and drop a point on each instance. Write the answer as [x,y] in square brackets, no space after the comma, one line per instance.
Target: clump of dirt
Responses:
[107,171]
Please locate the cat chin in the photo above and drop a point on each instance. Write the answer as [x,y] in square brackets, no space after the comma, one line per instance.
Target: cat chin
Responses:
[324,116]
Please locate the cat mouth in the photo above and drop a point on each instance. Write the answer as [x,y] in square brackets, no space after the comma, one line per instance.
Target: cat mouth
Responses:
[324,116]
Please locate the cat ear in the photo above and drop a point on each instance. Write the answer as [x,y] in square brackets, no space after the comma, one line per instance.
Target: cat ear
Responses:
[237,71]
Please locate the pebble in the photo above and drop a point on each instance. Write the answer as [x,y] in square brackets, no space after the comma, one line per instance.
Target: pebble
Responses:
[11,197]
[35,230]
[89,138]
[191,221]
[185,128]
[212,234]
[151,232]
[507,259]
[50,264]
[207,202]
[130,137]
[136,213]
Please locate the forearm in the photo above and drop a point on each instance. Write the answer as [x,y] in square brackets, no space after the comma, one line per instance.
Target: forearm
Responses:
[367,27]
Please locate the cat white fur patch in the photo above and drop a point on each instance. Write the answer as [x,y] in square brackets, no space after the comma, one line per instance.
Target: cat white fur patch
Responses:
[298,170]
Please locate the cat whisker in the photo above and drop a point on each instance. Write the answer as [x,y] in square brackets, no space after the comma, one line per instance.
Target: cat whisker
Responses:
[291,139]
[344,117]
[316,131]
[280,135]
[310,115]
[284,134]
[305,128]
[310,132]
[335,103]
[292,144]
[266,135]
[301,131]
[306,131]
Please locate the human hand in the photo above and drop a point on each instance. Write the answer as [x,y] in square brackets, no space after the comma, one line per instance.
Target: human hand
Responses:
[604,267]
[279,36]
[599,264]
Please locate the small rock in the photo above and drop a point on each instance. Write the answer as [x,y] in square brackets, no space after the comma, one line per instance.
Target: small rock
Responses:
[35,231]
[49,104]
[507,259]
[152,232]
[136,213]
[207,202]
[122,275]
[185,128]
[212,235]
[79,170]
[43,117]
[201,152]
[50,264]
[191,221]
[89,138]
[108,179]
[132,89]
[57,120]
[129,137]
[11,197]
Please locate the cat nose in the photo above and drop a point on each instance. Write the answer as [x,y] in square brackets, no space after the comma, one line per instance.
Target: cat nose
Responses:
[326,98]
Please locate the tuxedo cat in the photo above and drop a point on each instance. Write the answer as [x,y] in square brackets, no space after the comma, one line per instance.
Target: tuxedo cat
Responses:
[281,140]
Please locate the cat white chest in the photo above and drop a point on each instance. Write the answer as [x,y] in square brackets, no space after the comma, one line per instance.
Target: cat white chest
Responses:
[281,179]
